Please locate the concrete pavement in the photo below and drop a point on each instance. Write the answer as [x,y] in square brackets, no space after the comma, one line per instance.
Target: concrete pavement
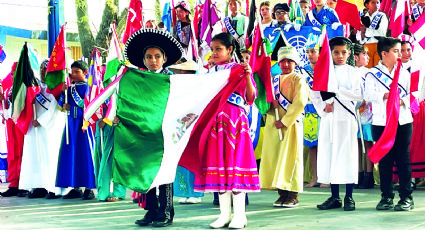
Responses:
[23,213]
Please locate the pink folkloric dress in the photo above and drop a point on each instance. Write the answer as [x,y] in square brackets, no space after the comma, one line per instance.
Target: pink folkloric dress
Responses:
[229,162]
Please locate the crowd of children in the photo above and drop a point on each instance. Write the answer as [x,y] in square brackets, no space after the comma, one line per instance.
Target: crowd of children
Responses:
[338,127]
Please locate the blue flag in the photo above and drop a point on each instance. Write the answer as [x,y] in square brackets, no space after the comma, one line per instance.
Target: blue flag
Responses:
[166,16]
[298,39]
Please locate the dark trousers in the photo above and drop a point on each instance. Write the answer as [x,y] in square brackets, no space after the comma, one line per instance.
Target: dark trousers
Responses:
[400,154]
[160,207]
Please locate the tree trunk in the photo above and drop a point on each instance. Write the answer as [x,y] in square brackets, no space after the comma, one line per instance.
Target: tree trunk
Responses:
[86,37]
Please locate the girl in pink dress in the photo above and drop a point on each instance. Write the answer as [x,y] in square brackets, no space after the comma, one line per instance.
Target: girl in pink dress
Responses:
[229,165]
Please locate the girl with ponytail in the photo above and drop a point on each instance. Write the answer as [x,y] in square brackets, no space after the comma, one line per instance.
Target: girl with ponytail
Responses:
[229,165]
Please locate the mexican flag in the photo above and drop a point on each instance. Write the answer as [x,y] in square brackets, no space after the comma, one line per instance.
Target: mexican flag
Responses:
[160,115]
[55,73]
[25,89]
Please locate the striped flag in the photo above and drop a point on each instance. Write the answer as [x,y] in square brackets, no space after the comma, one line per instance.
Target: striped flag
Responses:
[398,18]
[174,112]
[25,89]
[418,30]
[95,86]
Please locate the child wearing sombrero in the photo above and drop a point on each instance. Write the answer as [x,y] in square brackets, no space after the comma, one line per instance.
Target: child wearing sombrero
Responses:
[155,50]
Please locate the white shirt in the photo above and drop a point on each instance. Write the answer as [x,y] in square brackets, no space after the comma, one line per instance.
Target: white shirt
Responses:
[374,92]
[381,31]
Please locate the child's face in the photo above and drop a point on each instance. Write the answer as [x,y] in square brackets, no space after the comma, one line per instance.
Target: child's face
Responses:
[362,59]
[421,2]
[154,59]
[331,3]
[287,66]
[340,55]
[305,8]
[149,25]
[210,63]
[373,5]
[219,52]
[181,14]
[245,57]
[390,57]
[312,55]
[265,11]
[234,6]
[78,74]
[281,15]
[319,3]
[406,52]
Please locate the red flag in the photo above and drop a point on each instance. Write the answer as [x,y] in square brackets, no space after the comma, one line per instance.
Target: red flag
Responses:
[134,19]
[260,63]
[386,6]
[55,73]
[348,12]
[398,19]
[386,141]
[418,30]
[324,75]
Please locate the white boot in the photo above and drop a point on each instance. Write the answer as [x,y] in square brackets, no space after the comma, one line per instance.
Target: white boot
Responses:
[225,211]
[239,218]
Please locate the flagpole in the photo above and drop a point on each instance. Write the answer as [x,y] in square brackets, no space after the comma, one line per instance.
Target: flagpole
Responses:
[36,133]
[276,111]
[66,91]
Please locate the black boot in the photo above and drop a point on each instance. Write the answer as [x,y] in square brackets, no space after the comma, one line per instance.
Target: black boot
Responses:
[360,180]
[37,193]
[12,191]
[368,181]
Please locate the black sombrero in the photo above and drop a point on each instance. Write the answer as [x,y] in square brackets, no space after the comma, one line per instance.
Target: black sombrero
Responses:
[140,40]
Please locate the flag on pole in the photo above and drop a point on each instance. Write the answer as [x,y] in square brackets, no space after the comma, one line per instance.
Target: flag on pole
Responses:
[348,13]
[2,54]
[25,89]
[386,141]
[209,18]
[95,86]
[167,17]
[418,30]
[296,14]
[56,68]
[260,63]
[174,112]
[324,75]
[114,58]
[134,19]
[398,18]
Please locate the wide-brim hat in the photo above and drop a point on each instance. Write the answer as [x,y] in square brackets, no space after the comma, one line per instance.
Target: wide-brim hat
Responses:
[189,65]
[288,52]
[139,41]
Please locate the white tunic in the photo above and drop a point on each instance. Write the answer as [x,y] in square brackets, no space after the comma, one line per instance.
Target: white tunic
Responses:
[39,168]
[337,151]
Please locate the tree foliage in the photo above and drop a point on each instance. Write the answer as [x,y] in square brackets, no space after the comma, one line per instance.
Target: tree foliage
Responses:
[110,15]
